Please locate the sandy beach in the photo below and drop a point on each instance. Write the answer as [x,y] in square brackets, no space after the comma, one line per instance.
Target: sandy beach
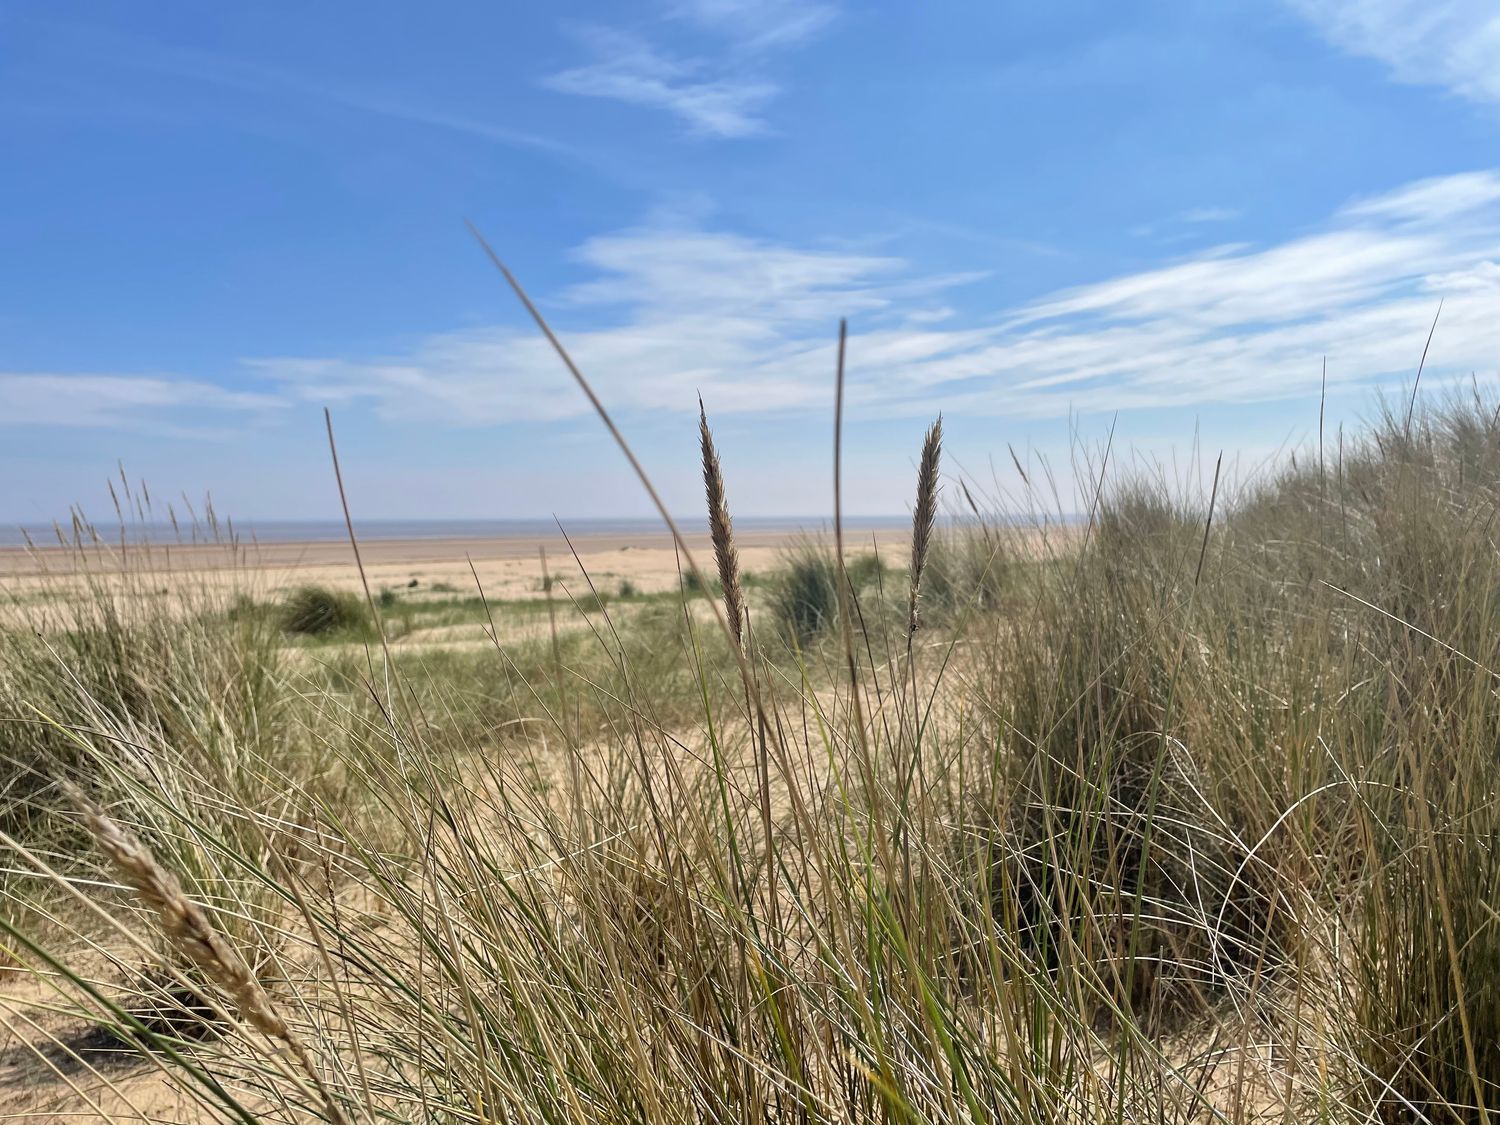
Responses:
[506,566]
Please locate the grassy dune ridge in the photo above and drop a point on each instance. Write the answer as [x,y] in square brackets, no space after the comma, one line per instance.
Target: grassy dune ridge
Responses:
[1183,812]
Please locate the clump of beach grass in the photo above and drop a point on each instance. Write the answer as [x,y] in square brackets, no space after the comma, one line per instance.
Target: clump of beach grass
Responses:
[804,597]
[1198,825]
[317,611]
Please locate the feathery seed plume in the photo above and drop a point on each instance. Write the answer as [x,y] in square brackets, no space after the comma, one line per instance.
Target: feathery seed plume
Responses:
[188,928]
[923,518]
[721,530]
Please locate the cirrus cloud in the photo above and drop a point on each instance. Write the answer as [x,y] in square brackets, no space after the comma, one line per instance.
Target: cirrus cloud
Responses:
[750,324]
[54,399]
[666,310]
[1451,43]
[628,69]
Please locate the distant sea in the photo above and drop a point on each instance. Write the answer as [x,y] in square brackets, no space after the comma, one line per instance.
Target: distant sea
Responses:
[316,531]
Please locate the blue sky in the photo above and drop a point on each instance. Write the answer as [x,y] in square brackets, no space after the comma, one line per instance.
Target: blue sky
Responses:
[216,219]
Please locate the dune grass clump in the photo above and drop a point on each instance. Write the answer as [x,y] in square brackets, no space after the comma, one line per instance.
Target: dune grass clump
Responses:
[1185,811]
[200,674]
[804,599]
[1409,512]
[1100,845]
[693,584]
[965,573]
[186,926]
[867,571]
[1426,968]
[803,593]
[316,611]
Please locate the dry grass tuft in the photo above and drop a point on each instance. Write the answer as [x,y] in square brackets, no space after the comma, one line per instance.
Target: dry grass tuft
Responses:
[1188,819]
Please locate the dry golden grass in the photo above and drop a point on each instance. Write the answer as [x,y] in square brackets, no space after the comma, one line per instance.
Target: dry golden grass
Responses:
[1186,812]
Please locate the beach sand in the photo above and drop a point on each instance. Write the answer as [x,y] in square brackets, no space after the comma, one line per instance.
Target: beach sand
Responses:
[506,567]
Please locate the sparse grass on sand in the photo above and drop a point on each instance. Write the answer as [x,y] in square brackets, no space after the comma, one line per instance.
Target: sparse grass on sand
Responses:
[1182,811]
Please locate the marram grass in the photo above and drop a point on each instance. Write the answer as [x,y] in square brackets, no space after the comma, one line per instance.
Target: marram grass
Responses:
[1176,811]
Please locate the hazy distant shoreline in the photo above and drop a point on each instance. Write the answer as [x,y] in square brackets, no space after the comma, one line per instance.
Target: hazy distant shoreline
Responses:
[641,550]
[293,532]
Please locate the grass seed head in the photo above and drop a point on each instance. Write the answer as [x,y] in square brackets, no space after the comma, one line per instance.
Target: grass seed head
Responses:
[183,921]
[923,518]
[721,529]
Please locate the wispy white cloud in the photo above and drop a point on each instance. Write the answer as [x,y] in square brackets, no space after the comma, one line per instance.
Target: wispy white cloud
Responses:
[1451,43]
[668,309]
[403,109]
[759,24]
[1209,215]
[631,70]
[1432,201]
[50,399]
[750,324]
[745,322]
[256,79]
[1180,227]
[719,94]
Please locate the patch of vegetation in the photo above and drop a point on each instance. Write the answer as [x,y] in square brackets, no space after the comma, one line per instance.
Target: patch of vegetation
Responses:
[693,584]
[244,608]
[866,571]
[803,594]
[317,611]
[1185,814]
[968,572]
[804,599]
